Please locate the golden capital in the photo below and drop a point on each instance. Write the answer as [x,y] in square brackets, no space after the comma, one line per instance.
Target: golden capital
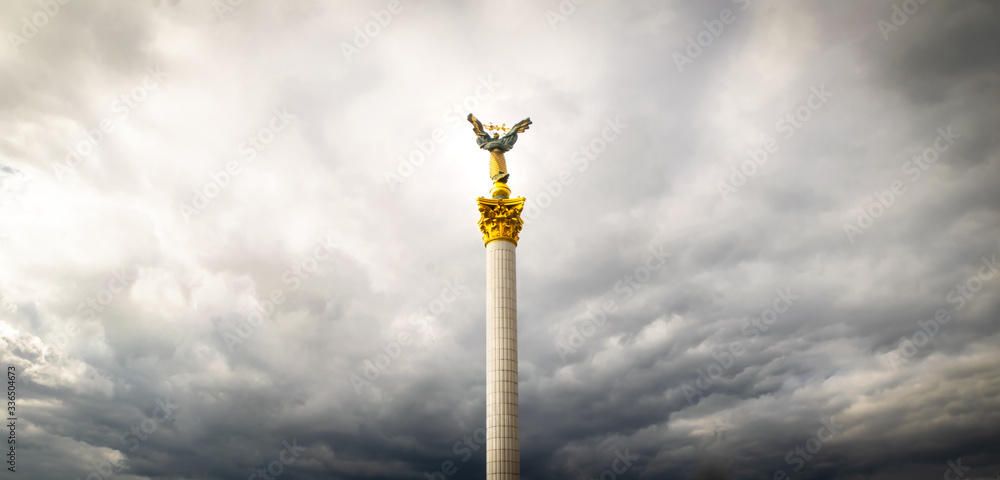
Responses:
[500,218]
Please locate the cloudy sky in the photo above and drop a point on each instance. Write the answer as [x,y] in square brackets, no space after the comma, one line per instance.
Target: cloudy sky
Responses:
[761,237]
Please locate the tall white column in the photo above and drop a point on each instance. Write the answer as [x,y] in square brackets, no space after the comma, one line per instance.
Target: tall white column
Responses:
[500,223]
[503,458]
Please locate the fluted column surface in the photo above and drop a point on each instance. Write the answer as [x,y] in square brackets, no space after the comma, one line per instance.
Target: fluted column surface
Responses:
[503,458]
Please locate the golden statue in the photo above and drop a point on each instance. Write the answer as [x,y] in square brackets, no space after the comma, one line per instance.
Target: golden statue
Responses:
[497,145]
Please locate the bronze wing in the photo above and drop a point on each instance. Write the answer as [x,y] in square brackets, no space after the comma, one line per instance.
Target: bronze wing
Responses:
[521,126]
[477,127]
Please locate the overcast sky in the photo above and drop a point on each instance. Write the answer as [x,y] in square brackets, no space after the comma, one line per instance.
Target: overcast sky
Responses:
[761,237]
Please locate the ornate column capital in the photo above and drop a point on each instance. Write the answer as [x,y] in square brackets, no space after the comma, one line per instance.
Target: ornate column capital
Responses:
[500,218]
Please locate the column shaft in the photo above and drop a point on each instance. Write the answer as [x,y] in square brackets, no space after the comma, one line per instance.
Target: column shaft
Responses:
[503,459]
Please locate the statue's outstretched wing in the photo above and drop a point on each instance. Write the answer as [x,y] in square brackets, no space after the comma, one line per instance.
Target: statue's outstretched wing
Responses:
[520,127]
[477,127]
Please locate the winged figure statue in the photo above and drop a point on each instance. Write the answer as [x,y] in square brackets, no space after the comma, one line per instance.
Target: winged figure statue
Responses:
[497,145]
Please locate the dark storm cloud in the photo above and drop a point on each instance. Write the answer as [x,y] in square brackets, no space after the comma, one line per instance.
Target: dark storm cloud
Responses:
[321,319]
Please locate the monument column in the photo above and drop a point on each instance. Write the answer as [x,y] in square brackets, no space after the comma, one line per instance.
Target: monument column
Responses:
[500,223]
